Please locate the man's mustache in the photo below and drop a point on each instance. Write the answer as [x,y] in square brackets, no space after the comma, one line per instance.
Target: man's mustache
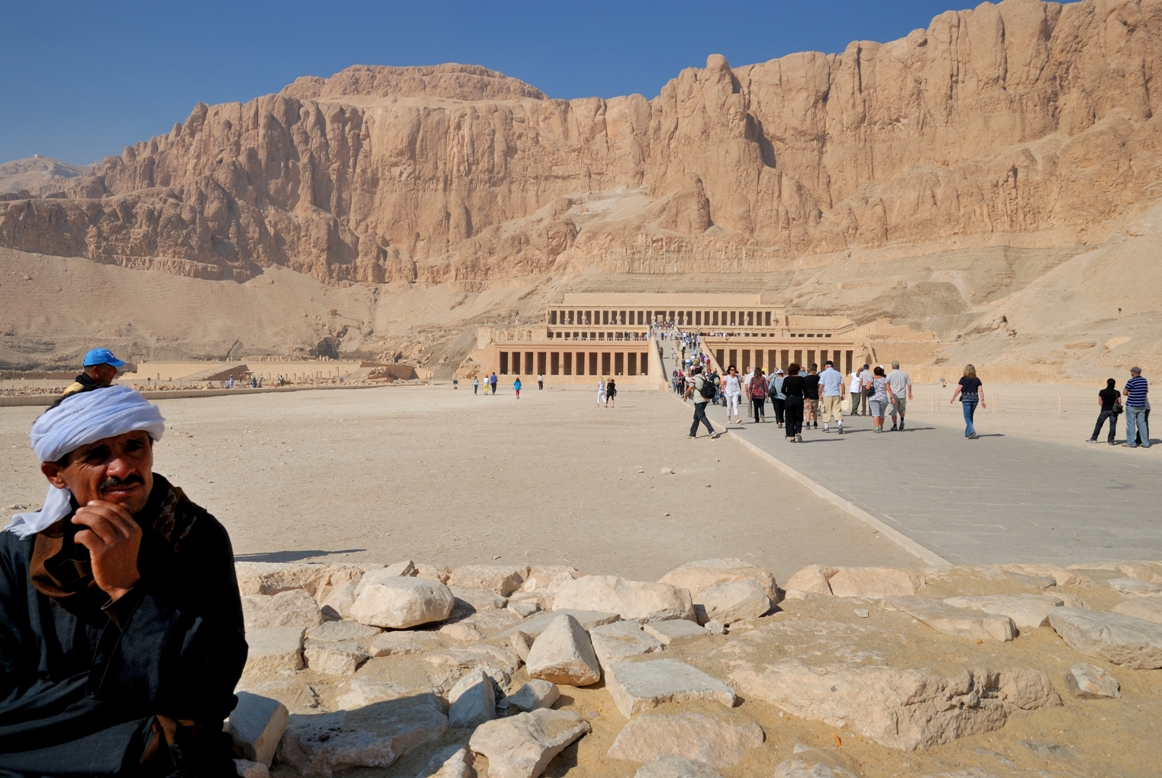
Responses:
[111,482]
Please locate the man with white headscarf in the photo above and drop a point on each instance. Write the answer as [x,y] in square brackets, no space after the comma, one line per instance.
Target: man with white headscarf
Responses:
[122,638]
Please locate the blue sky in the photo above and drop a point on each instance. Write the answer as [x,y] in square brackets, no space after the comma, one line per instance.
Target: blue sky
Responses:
[80,80]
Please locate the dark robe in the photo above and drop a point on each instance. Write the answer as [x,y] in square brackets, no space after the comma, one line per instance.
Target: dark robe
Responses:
[83,682]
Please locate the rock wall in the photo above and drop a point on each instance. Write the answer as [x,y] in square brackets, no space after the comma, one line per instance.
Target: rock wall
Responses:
[1023,118]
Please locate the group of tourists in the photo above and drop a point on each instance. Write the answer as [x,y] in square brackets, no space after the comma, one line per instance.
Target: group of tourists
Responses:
[607,393]
[1134,402]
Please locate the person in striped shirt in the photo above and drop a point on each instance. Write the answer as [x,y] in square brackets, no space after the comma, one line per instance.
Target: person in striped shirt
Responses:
[1136,403]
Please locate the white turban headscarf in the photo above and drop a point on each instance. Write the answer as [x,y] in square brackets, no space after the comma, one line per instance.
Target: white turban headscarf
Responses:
[82,419]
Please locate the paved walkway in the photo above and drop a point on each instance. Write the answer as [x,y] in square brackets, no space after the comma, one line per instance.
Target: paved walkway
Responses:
[991,500]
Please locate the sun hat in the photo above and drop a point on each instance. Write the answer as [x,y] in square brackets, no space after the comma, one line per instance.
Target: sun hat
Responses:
[101,356]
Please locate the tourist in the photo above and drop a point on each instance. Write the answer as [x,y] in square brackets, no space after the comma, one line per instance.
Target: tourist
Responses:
[793,389]
[98,368]
[230,382]
[1135,391]
[831,388]
[757,387]
[492,382]
[879,399]
[732,390]
[778,399]
[123,636]
[540,382]
[600,392]
[475,384]
[703,388]
[1146,418]
[1109,400]
[901,385]
[969,389]
[856,390]
[516,386]
[611,394]
[811,394]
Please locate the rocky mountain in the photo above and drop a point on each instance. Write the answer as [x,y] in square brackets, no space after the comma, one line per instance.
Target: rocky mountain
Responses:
[36,177]
[1025,123]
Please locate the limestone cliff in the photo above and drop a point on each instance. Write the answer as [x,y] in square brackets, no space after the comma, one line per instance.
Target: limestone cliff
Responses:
[1024,123]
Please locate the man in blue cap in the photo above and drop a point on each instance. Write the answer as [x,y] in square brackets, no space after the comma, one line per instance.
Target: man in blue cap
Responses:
[100,370]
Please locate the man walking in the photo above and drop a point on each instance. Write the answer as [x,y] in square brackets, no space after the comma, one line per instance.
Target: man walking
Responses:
[703,388]
[1135,394]
[901,385]
[831,387]
[492,382]
[865,381]
[811,392]
[856,394]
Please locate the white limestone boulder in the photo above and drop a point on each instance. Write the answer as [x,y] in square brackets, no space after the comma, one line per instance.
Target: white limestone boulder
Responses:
[1148,608]
[501,579]
[1135,586]
[403,642]
[477,599]
[634,600]
[373,736]
[256,725]
[1115,637]
[670,766]
[713,741]
[1028,611]
[961,622]
[341,632]
[812,579]
[471,701]
[454,761]
[622,640]
[336,602]
[291,608]
[537,624]
[361,692]
[675,632]
[641,686]
[1089,682]
[697,576]
[875,582]
[522,746]
[904,709]
[398,602]
[335,658]
[548,578]
[731,601]
[274,650]
[533,695]
[564,654]
[275,577]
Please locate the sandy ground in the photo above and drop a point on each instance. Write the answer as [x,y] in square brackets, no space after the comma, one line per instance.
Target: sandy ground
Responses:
[441,476]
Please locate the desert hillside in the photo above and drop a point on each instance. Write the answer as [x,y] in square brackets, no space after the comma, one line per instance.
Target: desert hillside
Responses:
[958,181]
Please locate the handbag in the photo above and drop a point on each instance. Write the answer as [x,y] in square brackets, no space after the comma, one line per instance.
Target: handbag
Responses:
[1117,410]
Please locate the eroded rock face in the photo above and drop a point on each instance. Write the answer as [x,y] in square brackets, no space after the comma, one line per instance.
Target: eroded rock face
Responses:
[1009,118]
[292,608]
[904,709]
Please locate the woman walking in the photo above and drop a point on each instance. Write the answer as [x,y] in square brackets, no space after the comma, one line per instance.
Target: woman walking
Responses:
[879,399]
[1111,407]
[758,393]
[969,389]
[600,392]
[732,389]
[793,388]
[516,385]
[611,394]
[778,399]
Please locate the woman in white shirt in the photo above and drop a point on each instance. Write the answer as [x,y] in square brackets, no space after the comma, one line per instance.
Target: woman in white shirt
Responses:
[857,396]
[732,390]
[600,391]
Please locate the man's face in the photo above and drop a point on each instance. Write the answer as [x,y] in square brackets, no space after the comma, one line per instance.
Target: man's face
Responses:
[117,470]
[103,374]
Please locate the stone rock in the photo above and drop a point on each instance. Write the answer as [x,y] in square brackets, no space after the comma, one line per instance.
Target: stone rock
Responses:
[954,621]
[256,725]
[812,579]
[874,582]
[633,600]
[274,577]
[1089,682]
[523,609]
[716,742]
[730,602]
[670,766]
[400,603]
[697,576]
[472,701]
[432,572]
[640,686]
[362,692]
[903,709]
[1047,749]
[533,695]
[796,767]
[295,692]
[478,599]
[247,769]
[373,736]
[521,645]
[1060,575]
[675,632]
[535,625]
[1146,607]
[274,650]
[464,631]
[1135,586]
[564,654]
[398,643]
[715,627]
[1143,571]
[621,640]
[1028,611]
[522,746]
[336,602]
[452,762]
[292,608]
[549,578]
[1115,637]
[342,631]
[335,658]
[501,579]
[404,569]
[467,658]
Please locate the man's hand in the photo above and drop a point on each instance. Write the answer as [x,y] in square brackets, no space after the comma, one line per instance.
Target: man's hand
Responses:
[113,539]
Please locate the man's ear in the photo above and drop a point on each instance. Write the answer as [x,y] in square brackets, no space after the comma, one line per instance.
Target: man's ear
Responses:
[52,471]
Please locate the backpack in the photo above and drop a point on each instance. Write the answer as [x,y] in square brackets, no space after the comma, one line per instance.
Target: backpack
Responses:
[707,390]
